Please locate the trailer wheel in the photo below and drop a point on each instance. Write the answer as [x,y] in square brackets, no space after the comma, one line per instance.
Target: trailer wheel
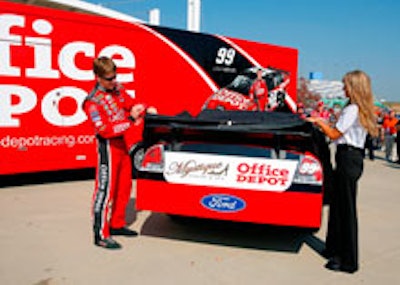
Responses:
[137,155]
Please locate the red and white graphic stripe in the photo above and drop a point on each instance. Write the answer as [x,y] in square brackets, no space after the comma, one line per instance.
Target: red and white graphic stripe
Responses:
[213,86]
[240,50]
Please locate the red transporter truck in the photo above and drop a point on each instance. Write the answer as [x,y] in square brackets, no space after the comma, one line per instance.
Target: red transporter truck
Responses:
[45,73]
[229,166]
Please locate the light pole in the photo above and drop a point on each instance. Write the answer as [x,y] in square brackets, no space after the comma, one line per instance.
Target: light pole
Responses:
[193,15]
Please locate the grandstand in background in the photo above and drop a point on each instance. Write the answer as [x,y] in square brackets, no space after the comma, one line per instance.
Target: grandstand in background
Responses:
[326,88]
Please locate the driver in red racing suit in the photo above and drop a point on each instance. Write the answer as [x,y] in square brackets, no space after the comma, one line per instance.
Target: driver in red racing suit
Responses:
[109,107]
[259,92]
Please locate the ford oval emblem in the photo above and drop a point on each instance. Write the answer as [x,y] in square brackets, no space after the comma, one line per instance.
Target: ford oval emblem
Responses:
[223,203]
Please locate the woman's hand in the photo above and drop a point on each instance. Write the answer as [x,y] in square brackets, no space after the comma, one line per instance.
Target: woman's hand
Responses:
[330,132]
[314,120]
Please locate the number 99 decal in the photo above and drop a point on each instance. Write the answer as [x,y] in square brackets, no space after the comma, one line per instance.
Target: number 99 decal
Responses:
[225,56]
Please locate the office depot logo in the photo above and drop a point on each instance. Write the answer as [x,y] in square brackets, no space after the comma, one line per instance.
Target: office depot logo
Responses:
[33,54]
[229,171]
[263,173]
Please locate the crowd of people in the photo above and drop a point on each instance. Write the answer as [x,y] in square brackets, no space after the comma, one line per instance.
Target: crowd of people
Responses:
[386,141]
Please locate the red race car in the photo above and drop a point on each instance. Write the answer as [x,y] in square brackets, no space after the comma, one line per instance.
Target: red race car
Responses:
[260,167]
[235,96]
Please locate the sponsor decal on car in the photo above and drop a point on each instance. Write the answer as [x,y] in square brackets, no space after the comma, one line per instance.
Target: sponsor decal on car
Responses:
[229,171]
[223,203]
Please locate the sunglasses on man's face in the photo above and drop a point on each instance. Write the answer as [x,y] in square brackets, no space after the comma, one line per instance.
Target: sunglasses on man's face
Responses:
[110,78]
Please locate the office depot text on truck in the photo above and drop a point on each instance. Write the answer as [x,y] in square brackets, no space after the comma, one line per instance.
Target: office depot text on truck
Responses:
[46,72]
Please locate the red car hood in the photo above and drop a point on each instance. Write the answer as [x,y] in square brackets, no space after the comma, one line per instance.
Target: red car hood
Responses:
[230,100]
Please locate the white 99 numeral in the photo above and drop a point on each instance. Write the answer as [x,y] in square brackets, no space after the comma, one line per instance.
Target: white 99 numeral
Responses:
[225,56]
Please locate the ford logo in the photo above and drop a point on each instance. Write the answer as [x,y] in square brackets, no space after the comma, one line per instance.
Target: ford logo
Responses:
[223,203]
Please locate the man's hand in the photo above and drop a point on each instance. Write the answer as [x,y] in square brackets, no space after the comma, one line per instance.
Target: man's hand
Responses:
[138,111]
[151,110]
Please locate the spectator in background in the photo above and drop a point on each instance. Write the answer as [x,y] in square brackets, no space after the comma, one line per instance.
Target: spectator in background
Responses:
[379,139]
[321,112]
[332,116]
[398,141]
[369,145]
[390,132]
[300,110]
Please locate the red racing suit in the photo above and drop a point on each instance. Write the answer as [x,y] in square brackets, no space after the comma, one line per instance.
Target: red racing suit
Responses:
[115,133]
[259,93]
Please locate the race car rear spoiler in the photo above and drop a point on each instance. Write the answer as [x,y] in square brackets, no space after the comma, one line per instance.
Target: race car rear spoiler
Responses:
[273,129]
[274,122]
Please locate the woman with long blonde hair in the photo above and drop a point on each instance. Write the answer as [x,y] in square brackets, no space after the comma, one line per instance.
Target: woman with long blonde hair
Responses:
[355,121]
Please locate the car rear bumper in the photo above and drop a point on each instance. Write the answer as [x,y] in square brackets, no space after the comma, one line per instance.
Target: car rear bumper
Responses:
[289,208]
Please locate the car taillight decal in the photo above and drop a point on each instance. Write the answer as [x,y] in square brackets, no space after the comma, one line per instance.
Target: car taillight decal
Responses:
[309,171]
[153,159]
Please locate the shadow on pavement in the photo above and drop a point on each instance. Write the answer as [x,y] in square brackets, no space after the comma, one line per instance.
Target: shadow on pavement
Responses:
[315,243]
[394,165]
[226,233]
[131,213]
[46,177]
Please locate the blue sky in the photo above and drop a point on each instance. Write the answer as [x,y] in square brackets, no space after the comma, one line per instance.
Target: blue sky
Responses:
[332,36]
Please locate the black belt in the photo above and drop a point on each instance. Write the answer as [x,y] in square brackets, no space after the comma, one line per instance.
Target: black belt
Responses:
[347,147]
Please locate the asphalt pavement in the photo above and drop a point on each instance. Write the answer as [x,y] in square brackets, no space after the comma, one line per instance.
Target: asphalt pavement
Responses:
[46,238]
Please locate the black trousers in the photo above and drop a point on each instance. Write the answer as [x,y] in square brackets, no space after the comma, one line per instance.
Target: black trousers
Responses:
[342,236]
